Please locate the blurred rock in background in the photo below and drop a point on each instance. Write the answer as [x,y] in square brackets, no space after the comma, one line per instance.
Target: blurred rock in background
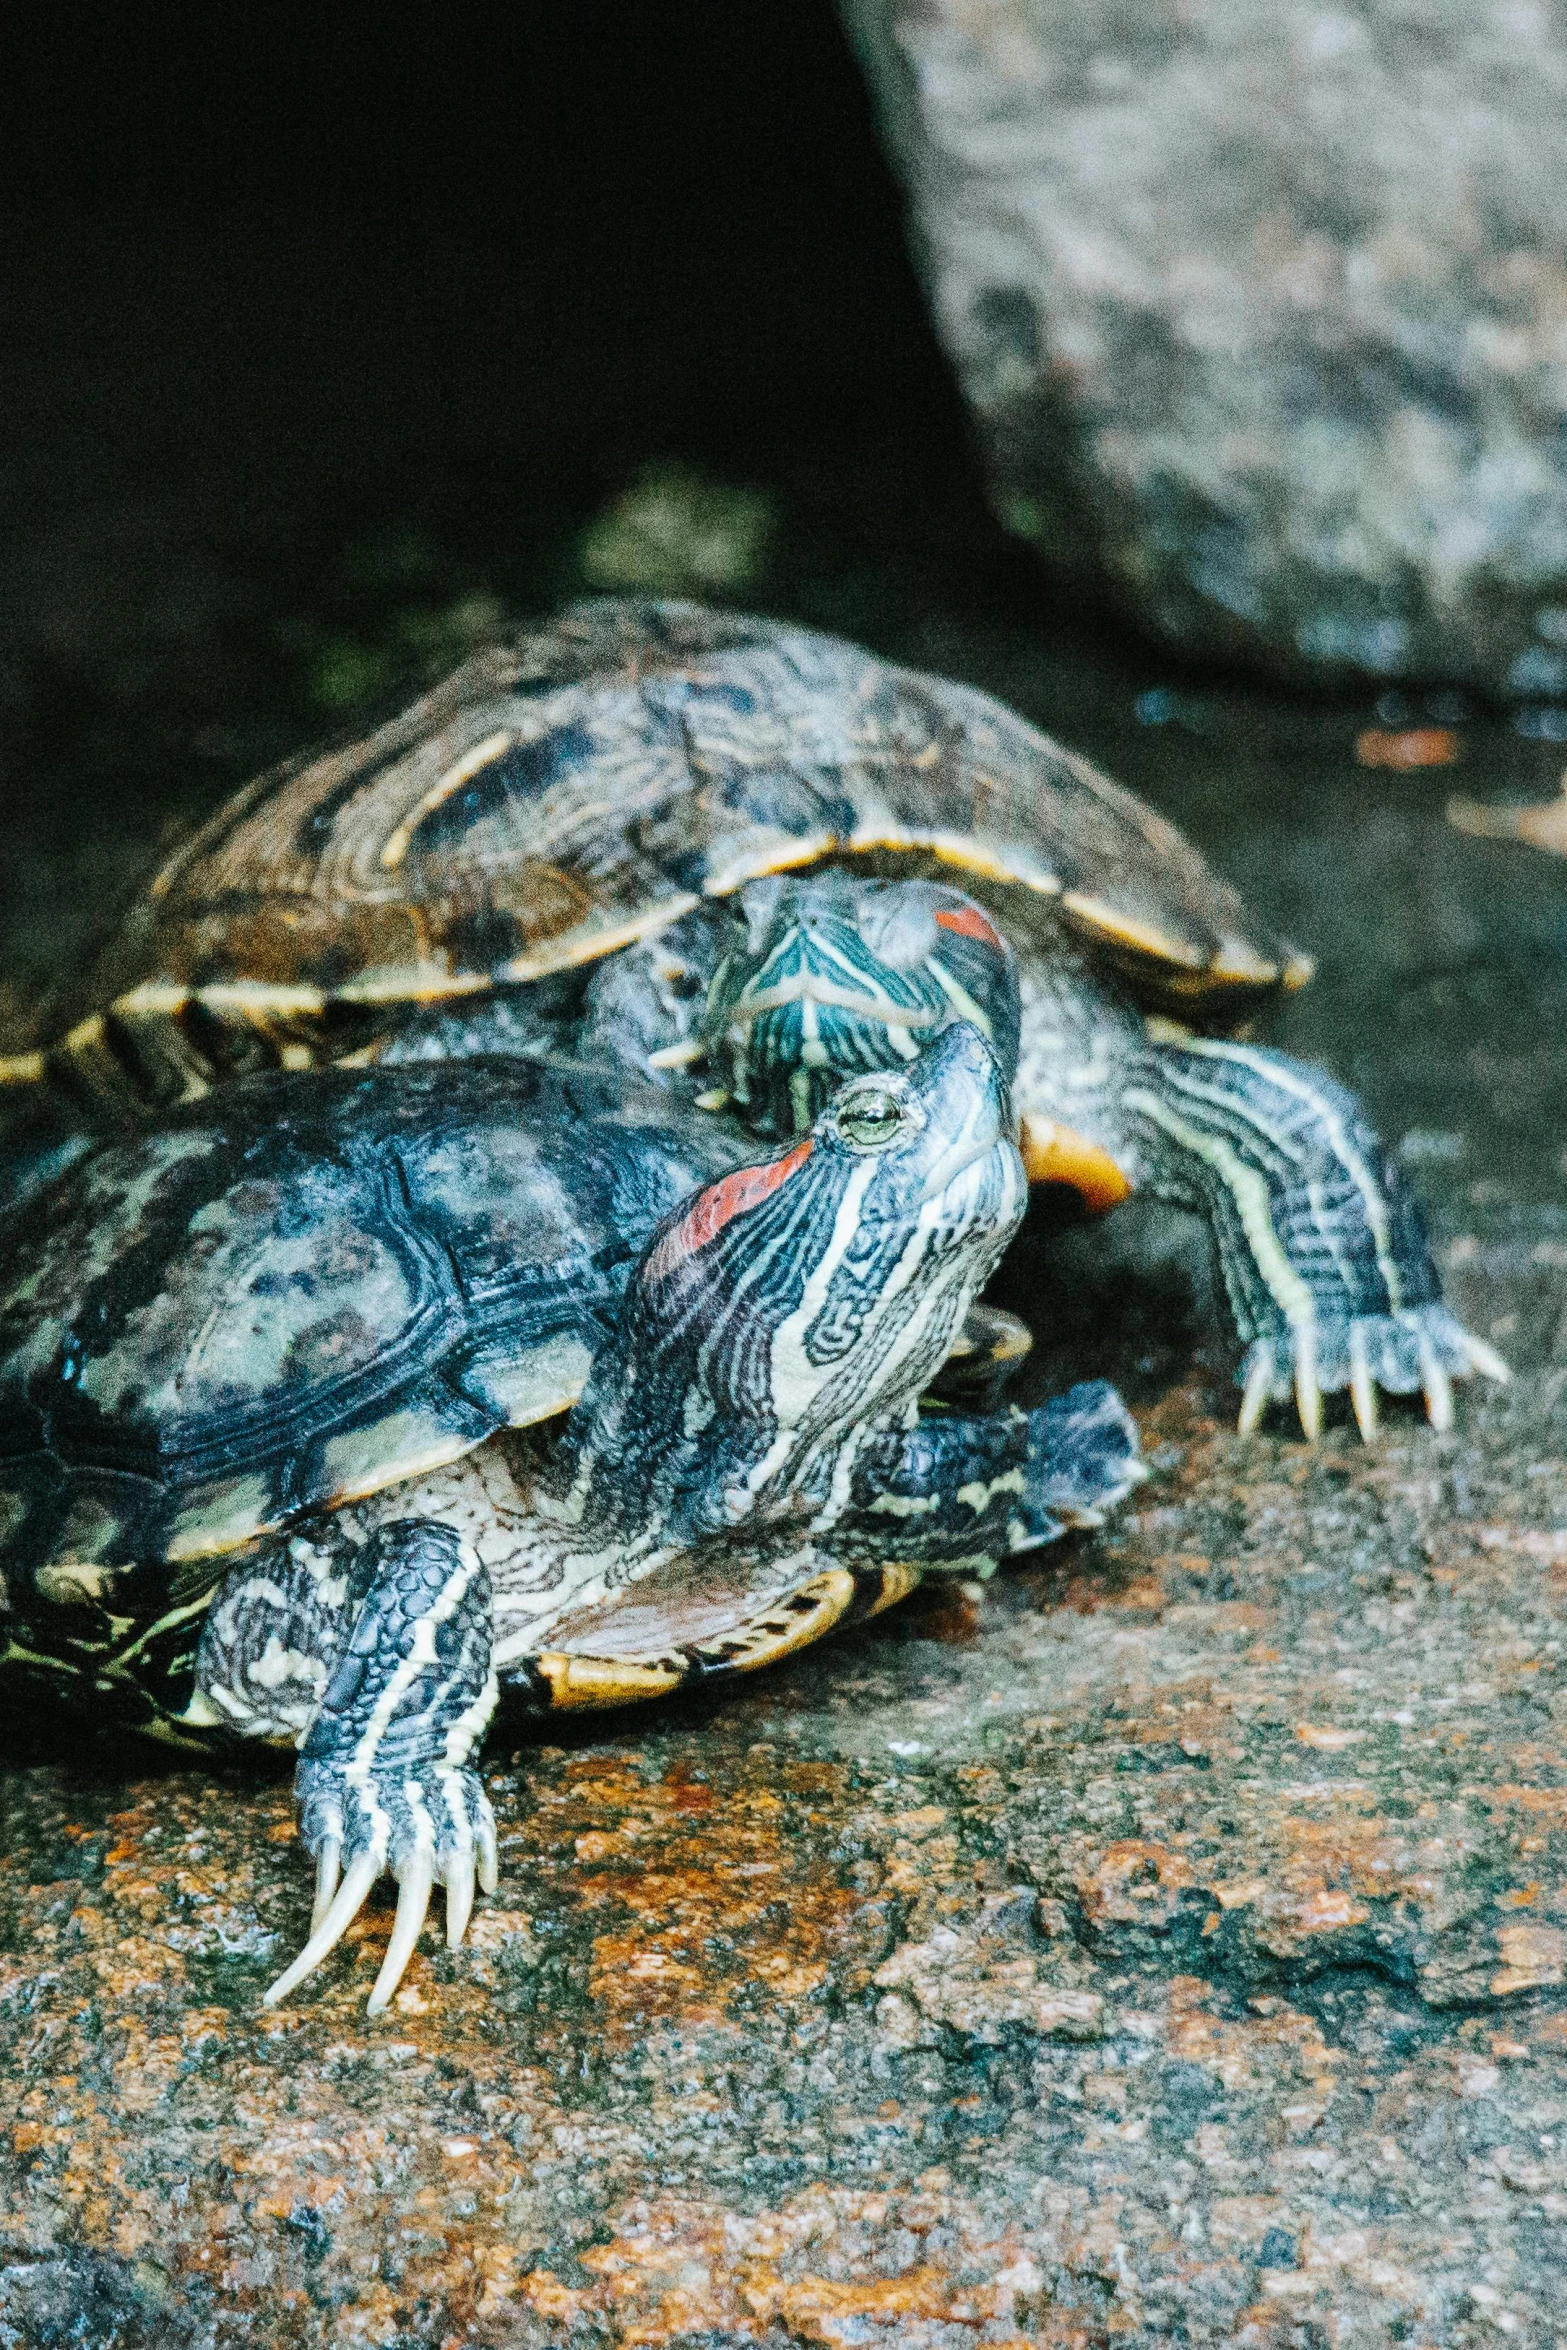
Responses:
[1261,312]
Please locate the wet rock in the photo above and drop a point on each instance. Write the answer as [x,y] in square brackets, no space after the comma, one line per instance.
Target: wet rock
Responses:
[980,1987]
[1166,1940]
[1259,312]
[1169,1937]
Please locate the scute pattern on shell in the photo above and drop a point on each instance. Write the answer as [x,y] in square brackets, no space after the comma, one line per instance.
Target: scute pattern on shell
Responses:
[594,777]
[325,1284]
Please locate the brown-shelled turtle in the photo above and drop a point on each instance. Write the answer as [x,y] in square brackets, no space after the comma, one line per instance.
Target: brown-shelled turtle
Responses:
[580,836]
[280,1445]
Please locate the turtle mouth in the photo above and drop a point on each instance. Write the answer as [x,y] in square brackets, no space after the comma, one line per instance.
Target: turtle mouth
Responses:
[976,1190]
[831,995]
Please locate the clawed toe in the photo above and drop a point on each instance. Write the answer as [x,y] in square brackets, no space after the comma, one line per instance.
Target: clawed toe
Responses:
[415,1881]
[1485,1359]
[1362,1385]
[1435,1385]
[1308,1387]
[393,1826]
[459,1897]
[1261,1371]
[1420,1350]
[329,1867]
[346,1904]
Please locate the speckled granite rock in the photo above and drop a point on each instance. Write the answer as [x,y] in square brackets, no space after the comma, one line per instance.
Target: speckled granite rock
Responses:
[1261,312]
[1170,1942]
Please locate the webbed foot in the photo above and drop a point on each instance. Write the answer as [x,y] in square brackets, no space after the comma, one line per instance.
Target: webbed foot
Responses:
[1419,1349]
[383,1779]
[952,1490]
[1084,1456]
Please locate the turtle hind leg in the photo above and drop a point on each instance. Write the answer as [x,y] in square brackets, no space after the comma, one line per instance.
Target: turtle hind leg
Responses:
[383,1779]
[1321,1241]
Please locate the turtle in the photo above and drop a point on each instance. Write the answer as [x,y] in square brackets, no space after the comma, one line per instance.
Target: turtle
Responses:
[553,843]
[282,1445]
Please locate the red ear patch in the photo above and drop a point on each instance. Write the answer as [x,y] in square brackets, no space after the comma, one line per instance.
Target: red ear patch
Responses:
[719,1205]
[969,922]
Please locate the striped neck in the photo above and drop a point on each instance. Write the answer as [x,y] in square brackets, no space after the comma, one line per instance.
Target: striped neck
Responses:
[791,1303]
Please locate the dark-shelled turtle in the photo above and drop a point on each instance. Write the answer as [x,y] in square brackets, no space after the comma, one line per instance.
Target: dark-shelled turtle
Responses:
[602,790]
[274,1386]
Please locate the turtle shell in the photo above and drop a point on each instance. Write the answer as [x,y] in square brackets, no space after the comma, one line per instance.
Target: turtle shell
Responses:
[327,1283]
[589,782]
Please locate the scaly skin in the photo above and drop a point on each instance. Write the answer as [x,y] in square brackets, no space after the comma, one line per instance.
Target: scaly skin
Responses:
[1327,1269]
[757,1399]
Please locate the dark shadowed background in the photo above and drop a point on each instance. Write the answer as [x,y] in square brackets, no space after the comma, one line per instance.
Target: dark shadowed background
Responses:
[323,331]
[329,337]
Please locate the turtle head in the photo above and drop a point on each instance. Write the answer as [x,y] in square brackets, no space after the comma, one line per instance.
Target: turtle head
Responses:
[817,1290]
[829,976]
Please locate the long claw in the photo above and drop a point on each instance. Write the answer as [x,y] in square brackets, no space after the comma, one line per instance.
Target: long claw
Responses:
[1308,1395]
[1362,1387]
[459,1896]
[489,1860]
[1486,1360]
[1438,1387]
[413,1900]
[346,1905]
[1259,1387]
[678,1056]
[329,1862]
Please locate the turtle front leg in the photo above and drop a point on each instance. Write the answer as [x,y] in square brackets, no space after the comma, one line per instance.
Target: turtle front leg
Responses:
[1321,1241]
[964,1493]
[383,1779]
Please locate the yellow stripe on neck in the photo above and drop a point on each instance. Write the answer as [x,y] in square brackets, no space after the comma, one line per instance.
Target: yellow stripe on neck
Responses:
[1249,1191]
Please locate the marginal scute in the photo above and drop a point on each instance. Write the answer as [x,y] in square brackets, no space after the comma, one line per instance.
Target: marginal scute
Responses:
[222,1517]
[589,1681]
[754,1614]
[404,1444]
[1053,1153]
[1104,920]
[546,1380]
[565,794]
[75,1582]
[792,1623]
[330,1286]
[564,950]
[898,1578]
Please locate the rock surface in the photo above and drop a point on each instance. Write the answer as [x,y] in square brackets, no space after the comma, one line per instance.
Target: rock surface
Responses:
[877,2006]
[1170,1941]
[1261,312]
[1166,1941]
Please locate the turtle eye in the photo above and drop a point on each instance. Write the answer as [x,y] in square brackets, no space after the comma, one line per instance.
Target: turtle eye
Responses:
[870,1118]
